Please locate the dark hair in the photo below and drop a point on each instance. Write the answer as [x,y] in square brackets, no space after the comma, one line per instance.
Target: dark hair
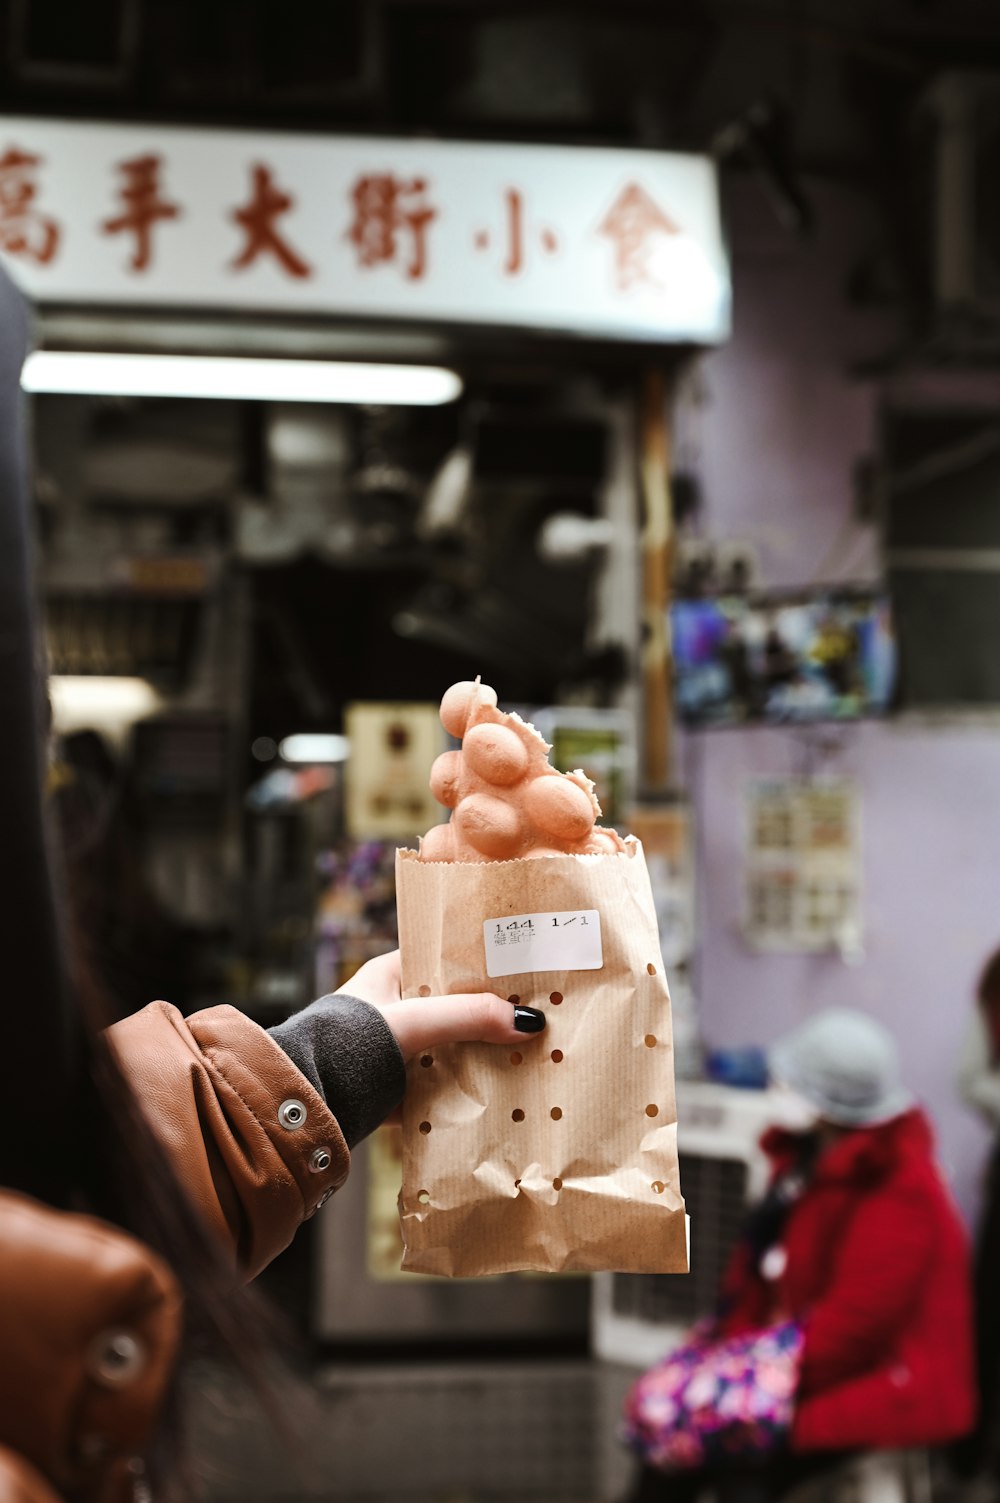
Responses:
[988,990]
[71,1131]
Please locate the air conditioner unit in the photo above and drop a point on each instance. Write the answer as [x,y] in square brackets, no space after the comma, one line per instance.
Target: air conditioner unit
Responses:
[638,1318]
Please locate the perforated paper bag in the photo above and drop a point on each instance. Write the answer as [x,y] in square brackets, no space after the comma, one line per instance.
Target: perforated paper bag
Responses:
[561,1154]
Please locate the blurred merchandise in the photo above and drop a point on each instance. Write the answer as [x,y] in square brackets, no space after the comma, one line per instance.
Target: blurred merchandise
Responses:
[392,749]
[827,655]
[745,1068]
[803,865]
[286,786]
[355,909]
[717,1402]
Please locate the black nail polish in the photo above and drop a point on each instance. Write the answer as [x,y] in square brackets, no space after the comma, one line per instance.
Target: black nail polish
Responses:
[528,1020]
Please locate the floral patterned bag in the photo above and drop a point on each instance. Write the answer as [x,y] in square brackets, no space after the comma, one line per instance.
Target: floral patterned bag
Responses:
[712,1403]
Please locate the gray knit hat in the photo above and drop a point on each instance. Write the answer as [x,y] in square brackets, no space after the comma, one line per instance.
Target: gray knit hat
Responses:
[846,1065]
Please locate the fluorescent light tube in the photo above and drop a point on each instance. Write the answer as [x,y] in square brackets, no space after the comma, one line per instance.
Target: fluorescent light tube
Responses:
[118,375]
[85,701]
[314,748]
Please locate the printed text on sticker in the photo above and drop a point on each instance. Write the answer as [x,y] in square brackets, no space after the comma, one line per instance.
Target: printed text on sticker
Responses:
[523,942]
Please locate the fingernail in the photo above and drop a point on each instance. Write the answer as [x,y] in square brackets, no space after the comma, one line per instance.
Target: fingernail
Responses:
[528,1020]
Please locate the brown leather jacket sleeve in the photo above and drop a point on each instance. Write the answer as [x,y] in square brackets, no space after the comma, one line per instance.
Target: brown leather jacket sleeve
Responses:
[20,1483]
[249,1137]
[90,1322]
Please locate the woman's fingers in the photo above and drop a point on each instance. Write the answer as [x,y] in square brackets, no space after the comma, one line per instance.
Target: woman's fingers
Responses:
[421,1022]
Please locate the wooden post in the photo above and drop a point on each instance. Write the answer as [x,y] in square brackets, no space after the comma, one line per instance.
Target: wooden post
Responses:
[656,544]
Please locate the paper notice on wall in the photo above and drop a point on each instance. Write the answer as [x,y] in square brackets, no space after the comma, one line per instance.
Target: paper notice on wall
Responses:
[803,865]
[393,746]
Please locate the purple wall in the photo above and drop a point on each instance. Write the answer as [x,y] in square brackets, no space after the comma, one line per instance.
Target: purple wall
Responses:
[775,424]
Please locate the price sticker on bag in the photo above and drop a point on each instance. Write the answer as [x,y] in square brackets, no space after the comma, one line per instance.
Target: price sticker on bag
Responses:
[523,942]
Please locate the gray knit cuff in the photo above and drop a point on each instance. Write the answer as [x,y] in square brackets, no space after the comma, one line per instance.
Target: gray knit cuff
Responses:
[345,1048]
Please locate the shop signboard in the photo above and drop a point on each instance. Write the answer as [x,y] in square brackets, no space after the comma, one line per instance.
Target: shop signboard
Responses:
[603,242]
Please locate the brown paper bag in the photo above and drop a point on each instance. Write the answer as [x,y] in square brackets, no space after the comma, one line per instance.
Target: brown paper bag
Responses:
[561,1154]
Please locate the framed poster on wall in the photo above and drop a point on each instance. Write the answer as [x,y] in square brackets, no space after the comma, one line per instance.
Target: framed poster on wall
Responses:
[803,865]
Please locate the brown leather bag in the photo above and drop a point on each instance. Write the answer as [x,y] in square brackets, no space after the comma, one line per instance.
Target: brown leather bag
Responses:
[91,1323]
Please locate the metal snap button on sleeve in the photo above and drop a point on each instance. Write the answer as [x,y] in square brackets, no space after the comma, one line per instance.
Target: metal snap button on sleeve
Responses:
[292,1114]
[116,1357]
[321,1159]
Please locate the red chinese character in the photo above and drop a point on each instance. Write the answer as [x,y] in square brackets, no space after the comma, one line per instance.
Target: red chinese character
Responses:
[143,207]
[515,234]
[631,223]
[387,209]
[23,230]
[515,228]
[259,217]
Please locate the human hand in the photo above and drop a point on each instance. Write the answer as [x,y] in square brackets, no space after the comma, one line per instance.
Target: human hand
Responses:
[419,1023]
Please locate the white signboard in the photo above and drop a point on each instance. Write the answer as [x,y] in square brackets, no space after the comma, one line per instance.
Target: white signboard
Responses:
[622,244]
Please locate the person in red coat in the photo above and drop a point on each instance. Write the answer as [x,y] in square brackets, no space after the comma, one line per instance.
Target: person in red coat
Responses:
[858,1240]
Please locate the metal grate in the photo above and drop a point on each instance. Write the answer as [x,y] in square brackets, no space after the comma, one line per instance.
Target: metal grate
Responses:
[482,1433]
[715,1192]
